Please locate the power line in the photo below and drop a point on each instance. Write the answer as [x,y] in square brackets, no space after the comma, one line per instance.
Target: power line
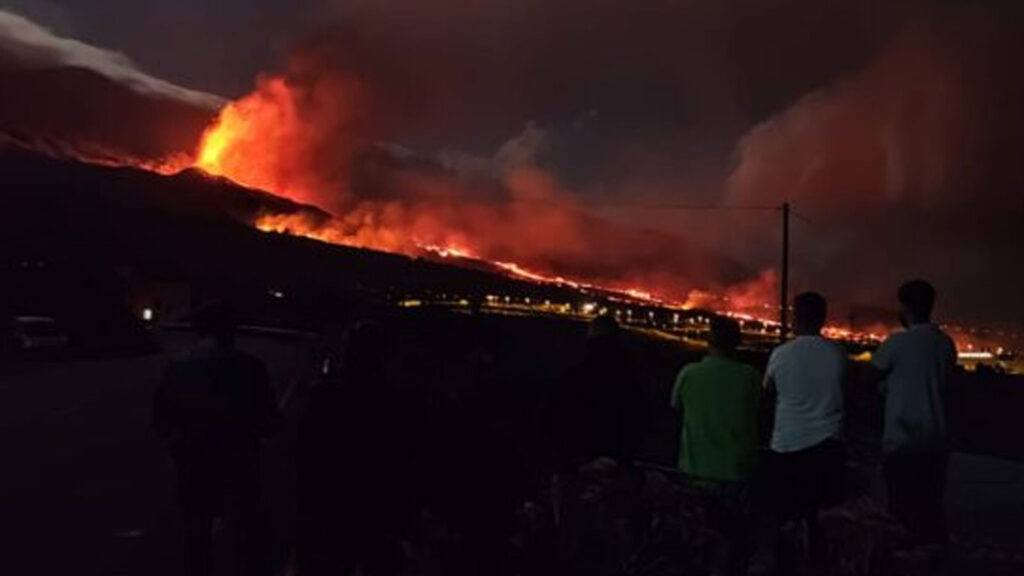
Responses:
[682,207]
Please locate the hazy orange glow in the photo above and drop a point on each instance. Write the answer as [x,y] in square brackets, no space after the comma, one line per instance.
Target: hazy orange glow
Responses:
[273,140]
[241,144]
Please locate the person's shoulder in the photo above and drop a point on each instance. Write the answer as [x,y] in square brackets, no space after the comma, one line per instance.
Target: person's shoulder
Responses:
[944,336]
[946,341]
[834,348]
[687,372]
[781,350]
[691,367]
[692,371]
[748,372]
[904,336]
[894,340]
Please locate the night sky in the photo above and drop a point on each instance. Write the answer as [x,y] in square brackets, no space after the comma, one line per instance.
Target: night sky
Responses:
[895,127]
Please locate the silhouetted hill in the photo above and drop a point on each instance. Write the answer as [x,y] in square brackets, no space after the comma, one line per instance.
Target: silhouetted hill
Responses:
[193,229]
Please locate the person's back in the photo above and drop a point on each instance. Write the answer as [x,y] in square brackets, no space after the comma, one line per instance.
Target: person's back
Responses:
[719,397]
[804,471]
[718,400]
[598,409]
[807,374]
[214,406]
[357,442]
[211,409]
[918,364]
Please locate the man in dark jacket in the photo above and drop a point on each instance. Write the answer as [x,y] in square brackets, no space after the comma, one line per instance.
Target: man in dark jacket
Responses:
[596,421]
[597,410]
[211,410]
[356,472]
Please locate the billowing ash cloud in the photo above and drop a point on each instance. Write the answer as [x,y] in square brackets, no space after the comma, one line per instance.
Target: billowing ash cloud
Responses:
[24,43]
[886,126]
[894,126]
[318,134]
[909,167]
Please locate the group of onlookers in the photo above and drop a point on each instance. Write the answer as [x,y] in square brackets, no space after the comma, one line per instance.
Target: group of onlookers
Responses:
[369,462]
[803,470]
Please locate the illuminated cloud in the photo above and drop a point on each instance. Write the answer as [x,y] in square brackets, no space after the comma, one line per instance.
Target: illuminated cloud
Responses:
[27,44]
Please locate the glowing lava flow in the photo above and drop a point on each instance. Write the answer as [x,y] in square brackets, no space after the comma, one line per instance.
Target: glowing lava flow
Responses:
[275,138]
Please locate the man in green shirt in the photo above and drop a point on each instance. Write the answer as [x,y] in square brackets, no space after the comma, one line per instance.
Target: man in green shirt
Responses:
[718,399]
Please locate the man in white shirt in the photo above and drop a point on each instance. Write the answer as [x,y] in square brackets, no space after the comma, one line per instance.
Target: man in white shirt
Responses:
[804,469]
[915,367]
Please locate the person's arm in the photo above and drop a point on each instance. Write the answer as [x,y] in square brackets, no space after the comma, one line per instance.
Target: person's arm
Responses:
[675,401]
[769,398]
[951,367]
[768,384]
[877,370]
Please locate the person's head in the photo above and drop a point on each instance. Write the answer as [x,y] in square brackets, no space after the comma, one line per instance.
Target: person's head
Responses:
[216,322]
[810,310]
[917,298]
[724,337]
[603,328]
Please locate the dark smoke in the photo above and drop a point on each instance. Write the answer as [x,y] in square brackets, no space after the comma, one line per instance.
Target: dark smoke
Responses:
[909,167]
[893,129]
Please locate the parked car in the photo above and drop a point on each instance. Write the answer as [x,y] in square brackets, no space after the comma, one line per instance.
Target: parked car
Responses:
[36,333]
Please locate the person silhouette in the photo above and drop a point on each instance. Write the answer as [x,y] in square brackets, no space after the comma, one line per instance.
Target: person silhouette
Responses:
[915,367]
[597,409]
[211,410]
[595,422]
[718,400]
[477,478]
[356,464]
[805,468]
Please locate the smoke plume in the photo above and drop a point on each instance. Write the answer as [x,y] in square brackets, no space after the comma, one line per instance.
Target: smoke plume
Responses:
[904,168]
[25,44]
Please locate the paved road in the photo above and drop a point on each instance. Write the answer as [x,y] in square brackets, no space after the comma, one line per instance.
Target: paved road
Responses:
[85,489]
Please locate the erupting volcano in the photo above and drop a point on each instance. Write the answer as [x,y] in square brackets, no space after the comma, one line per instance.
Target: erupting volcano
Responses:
[307,141]
[527,160]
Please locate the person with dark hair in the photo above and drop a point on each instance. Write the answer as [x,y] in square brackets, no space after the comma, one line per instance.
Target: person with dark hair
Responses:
[804,469]
[718,400]
[915,367]
[211,409]
[595,421]
[356,464]
[597,409]
[478,477]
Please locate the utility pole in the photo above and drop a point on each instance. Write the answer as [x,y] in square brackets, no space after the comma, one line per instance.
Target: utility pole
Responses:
[784,288]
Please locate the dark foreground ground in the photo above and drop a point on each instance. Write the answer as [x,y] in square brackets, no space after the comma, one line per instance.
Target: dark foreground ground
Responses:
[85,489]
